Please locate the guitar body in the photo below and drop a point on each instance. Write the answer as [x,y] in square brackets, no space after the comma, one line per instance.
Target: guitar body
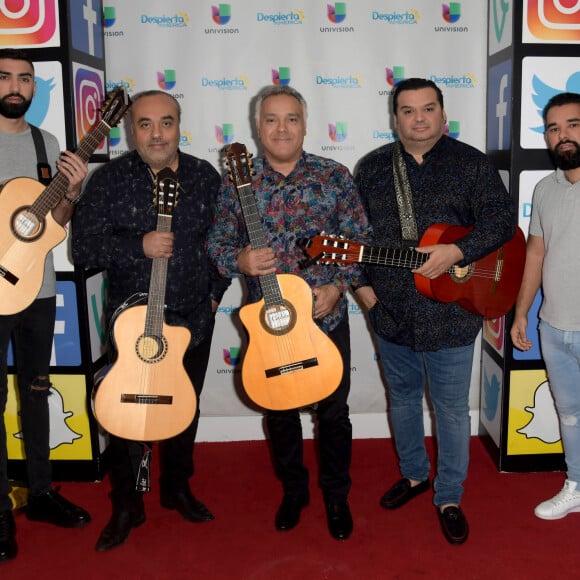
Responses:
[488,287]
[23,250]
[27,229]
[275,371]
[483,287]
[149,371]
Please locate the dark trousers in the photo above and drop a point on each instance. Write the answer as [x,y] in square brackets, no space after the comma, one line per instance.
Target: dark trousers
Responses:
[176,453]
[334,437]
[32,332]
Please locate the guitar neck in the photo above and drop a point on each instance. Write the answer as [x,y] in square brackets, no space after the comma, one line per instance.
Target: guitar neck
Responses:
[157,284]
[268,282]
[58,186]
[382,256]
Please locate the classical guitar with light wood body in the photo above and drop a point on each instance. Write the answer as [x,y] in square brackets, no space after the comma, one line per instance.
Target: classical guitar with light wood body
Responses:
[290,362]
[147,395]
[28,232]
[488,287]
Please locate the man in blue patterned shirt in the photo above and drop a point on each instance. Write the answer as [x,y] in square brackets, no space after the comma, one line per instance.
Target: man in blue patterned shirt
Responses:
[422,341]
[298,195]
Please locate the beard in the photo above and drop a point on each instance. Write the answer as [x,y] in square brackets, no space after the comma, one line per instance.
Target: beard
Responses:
[14,110]
[566,160]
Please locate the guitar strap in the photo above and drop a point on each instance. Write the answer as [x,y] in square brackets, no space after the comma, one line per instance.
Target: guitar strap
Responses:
[404,198]
[43,168]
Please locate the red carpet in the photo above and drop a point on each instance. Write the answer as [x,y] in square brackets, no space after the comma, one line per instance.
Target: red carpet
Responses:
[236,481]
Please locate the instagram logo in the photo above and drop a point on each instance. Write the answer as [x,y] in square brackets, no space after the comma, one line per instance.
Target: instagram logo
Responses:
[554,19]
[89,94]
[30,22]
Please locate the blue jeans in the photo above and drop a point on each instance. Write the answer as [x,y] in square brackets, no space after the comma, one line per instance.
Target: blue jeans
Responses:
[561,353]
[448,374]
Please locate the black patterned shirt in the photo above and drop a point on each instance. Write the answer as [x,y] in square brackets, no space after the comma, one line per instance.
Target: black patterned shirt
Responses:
[456,184]
[117,209]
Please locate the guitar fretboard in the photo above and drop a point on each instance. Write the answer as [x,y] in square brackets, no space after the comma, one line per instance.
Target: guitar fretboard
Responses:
[268,282]
[382,256]
[58,186]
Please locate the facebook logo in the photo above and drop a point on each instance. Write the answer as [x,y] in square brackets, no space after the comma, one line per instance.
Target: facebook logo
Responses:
[66,349]
[86,26]
[499,91]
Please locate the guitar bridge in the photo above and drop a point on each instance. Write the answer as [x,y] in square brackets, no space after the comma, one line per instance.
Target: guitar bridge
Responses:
[8,276]
[291,368]
[147,399]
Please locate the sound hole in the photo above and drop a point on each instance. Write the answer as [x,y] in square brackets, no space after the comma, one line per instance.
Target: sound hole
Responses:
[462,274]
[278,319]
[25,225]
[151,349]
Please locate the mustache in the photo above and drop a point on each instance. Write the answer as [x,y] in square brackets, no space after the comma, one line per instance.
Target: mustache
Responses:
[566,142]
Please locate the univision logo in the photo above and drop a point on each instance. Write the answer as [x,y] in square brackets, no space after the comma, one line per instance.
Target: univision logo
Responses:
[336,12]
[221,14]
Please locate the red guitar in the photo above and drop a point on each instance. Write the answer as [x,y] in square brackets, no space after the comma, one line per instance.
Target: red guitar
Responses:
[488,286]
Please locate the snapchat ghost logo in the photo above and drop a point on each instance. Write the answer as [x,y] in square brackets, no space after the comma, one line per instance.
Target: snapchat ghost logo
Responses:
[544,424]
[60,432]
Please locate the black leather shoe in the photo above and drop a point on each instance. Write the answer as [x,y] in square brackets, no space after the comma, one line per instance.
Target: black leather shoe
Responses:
[402,492]
[118,529]
[8,546]
[339,520]
[187,505]
[51,507]
[453,524]
[288,514]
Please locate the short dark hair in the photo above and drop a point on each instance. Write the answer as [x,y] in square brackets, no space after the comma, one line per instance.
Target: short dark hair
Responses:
[414,84]
[15,54]
[559,100]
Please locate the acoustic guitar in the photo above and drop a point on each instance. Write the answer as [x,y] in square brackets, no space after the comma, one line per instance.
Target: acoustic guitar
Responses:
[488,287]
[146,395]
[290,362]
[28,232]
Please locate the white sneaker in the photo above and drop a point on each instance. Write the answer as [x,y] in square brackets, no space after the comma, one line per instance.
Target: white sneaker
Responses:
[565,502]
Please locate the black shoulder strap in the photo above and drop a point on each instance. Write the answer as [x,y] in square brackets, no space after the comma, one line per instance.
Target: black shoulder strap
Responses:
[44,172]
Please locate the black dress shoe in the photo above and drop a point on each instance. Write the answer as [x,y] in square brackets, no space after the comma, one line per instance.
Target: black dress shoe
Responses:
[402,492]
[453,524]
[8,546]
[187,505]
[118,529]
[288,514]
[51,507]
[339,520]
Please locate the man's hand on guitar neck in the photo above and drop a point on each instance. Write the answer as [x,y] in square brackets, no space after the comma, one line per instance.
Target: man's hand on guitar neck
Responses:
[256,262]
[441,258]
[75,170]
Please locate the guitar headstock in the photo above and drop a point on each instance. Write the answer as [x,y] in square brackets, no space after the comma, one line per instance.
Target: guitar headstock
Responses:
[115,106]
[166,186]
[239,164]
[328,249]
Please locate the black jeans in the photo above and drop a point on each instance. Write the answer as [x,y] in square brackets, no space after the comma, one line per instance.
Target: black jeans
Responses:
[334,437]
[32,332]
[176,453]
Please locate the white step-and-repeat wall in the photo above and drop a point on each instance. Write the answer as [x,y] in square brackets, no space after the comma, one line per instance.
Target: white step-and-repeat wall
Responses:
[345,58]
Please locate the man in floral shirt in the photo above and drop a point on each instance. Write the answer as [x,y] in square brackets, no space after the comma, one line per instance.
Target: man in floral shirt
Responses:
[299,195]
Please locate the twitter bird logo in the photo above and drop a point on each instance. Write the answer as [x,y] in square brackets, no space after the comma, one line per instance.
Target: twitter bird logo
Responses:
[41,101]
[544,92]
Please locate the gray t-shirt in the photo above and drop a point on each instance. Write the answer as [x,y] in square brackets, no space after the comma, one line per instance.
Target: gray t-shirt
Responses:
[18,159]
[556,218]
